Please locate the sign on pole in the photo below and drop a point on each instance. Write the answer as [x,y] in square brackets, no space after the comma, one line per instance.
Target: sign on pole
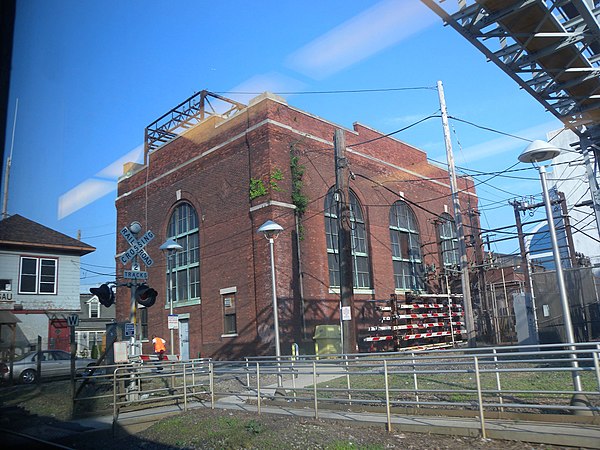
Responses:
[137,247]
[135,275]
[73,320]
[173,322]
[346,313]
[129,329]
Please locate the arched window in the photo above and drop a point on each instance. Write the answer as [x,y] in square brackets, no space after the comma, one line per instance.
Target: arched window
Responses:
[360,254]
[406,248]
[448,241]
[185,266]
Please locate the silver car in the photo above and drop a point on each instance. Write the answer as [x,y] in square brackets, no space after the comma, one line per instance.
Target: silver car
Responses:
[54,363]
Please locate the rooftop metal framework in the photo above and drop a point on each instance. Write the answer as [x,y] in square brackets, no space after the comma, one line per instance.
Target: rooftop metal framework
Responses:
[188,113]
[551,48]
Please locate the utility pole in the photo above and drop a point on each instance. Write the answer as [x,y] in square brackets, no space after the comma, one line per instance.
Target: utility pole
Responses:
[567,227]
[586,146]
[342,196]
[462,248]
[528,288]
[8,164]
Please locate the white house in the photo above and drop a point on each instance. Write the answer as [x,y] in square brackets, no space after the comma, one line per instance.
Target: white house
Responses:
[39,282]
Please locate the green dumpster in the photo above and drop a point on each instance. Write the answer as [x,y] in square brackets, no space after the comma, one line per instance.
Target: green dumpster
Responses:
[328,340]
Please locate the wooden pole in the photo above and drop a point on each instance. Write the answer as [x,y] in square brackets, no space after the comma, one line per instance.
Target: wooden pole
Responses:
[462,248]
[342,193]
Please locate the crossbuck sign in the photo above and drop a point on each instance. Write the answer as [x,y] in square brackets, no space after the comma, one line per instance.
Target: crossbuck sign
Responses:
[137,247]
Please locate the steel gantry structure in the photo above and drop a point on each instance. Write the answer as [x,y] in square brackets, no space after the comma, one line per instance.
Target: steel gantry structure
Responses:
[188,113]
[550,48]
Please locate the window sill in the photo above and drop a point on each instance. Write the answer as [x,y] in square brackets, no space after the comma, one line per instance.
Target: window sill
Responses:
[404,291]
[229,335]
[355,291]
[196,301]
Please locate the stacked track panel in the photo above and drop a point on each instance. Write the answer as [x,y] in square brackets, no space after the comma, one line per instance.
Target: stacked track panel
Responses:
[423,320]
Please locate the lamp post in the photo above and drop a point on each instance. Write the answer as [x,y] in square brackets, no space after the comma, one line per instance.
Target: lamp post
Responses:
[271,230]
[169,248]
[536,152]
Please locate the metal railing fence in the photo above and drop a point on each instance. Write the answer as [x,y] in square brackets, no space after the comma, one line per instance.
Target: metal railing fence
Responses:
[482,383]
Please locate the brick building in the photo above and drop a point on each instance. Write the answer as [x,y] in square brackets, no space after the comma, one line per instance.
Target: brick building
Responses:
[212,185]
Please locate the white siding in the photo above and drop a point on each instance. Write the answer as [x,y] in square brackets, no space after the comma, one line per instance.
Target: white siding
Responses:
[9,268]
[67,296]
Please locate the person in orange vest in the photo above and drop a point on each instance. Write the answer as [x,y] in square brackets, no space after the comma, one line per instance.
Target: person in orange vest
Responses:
[159,346]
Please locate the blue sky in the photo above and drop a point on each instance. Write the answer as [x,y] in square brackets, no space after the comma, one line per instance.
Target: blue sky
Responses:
[90,76]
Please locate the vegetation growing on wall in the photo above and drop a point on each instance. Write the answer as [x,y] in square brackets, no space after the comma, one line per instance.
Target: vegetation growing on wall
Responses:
[298,198]
[258,187]
[276,176]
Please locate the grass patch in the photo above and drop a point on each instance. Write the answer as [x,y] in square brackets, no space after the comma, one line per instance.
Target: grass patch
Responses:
[225,430]
[48,399]
[458,385]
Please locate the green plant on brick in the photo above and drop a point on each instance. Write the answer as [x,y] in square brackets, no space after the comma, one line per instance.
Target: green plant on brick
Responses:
[276,176]
[299,199]
[257,188]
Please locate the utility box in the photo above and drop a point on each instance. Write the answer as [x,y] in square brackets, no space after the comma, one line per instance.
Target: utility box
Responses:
[328,340]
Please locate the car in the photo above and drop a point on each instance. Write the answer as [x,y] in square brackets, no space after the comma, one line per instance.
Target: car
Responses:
[53,363]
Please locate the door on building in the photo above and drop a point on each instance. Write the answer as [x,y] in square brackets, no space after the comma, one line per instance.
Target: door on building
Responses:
[184,339]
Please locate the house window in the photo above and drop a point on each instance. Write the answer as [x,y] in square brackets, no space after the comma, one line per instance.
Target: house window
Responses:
[86,341]
[94,308]
[37,275]
[406,248]
[5,285]
[229,318]
[448,241]
[185,265]
[360,255]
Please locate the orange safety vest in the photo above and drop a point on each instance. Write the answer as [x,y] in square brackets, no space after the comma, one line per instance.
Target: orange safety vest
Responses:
[159,345]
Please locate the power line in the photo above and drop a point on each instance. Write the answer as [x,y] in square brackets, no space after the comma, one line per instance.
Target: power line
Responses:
[489,129]
[340,91]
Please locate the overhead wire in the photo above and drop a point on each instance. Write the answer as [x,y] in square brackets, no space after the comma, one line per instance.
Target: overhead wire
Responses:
[337,91]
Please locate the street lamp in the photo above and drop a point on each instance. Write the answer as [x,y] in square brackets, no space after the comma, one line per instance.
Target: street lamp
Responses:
[536,152]
[169,248]
[271,230]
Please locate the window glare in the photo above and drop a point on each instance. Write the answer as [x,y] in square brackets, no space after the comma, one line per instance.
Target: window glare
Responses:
[185,270]
[358,238]
[406,248]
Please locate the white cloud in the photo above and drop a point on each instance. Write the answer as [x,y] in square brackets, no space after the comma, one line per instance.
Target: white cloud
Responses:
[83,194]
[500,146]
[379,27]
[92,189]
[404,120]
[271,82]
[115,169]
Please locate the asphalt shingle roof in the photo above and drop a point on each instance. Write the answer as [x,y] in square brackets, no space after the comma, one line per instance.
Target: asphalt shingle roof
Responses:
[18,232]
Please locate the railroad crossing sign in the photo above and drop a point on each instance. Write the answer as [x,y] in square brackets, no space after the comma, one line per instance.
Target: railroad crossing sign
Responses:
[137,247]
[135,275]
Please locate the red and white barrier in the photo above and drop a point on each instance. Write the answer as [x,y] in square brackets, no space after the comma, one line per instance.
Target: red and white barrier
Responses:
[378,338]
[429,335]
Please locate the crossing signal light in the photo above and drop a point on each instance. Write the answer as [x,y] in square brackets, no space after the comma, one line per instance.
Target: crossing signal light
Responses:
[145,295]
[105,295]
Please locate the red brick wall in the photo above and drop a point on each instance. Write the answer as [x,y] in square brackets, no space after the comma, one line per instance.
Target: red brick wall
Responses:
[232,253]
